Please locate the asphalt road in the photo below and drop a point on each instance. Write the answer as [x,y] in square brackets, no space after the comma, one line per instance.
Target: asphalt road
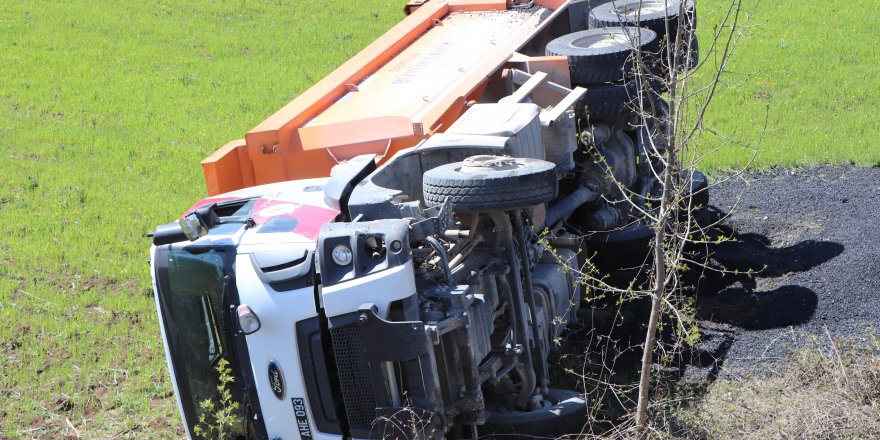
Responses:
[813,236]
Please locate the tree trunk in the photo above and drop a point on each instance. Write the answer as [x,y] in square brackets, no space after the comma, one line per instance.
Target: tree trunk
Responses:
[667,211]
[653,322]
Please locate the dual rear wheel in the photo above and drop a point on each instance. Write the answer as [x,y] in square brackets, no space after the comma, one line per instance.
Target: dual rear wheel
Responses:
[628,53]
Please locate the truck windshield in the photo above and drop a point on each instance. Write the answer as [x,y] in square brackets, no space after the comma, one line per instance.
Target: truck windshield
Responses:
[192,283]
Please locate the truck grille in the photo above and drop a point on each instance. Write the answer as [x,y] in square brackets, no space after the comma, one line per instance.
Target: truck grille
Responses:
[354,375]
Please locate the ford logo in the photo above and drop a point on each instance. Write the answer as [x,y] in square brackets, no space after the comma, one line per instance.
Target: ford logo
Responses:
[276,380]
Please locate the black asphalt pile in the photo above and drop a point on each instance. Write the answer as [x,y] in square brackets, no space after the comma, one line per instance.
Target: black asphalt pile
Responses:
[813,236]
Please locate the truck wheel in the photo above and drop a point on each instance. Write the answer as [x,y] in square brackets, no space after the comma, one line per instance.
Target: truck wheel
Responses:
[623,248]
[695,54]
[650,14]
[612,100]
[629,246]
[602,55]
[491,183]
[564,412]
[698,192]
[653,15]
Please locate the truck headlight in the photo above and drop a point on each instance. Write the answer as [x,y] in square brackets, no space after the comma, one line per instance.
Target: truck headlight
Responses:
[341,255]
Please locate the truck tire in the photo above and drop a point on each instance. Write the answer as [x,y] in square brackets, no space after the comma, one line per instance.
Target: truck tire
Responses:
[694,59]
[623,248]
[685,62]
[629,247]
[602,101]
[602,55]
[698,192]
[653,15]
[491,183]
[650,14]
[565,412]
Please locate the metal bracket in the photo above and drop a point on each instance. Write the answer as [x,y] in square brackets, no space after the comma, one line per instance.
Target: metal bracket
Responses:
[391,341]
[528,87]
[571,99]
[444,218]
[529,82]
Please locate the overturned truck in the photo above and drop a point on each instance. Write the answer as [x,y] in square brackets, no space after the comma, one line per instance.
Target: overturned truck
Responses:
[367,263]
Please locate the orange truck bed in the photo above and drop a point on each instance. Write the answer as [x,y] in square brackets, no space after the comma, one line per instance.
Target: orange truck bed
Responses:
[412,82]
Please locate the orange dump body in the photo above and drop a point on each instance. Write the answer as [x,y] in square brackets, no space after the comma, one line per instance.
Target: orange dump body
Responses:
[412,82]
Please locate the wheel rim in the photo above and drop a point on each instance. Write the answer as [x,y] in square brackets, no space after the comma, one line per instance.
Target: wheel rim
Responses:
[632,10]
[484,163]
[602,41]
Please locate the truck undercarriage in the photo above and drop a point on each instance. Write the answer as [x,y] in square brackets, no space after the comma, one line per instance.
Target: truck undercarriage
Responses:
[420,290]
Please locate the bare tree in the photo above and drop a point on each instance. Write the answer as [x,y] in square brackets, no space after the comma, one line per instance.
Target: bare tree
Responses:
[675,90]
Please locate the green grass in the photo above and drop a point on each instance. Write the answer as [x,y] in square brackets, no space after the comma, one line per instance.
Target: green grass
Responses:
[107,108]
[808,72]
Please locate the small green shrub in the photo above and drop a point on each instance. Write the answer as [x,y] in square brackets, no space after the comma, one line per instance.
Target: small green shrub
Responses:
[217,420]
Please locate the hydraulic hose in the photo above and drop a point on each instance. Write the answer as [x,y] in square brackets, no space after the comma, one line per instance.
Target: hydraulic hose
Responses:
[441,252]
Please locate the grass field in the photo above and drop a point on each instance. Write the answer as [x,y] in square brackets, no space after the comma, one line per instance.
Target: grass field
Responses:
[106,109]
[811,71]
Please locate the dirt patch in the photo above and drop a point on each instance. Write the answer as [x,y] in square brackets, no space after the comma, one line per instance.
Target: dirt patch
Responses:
[72,280]
[64,404]
[826,389]
[96,401]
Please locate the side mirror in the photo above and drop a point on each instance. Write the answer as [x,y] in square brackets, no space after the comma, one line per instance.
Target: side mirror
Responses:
[167,234]
[196,224]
